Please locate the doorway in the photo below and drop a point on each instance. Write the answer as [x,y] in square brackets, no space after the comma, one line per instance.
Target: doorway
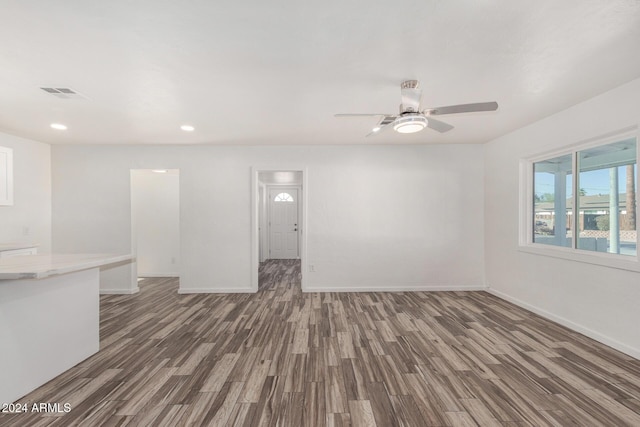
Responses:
[155,222]
[278,214]
[282,220]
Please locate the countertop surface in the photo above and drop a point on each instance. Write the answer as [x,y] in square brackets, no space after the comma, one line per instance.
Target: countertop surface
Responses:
[45,265]
[14,246]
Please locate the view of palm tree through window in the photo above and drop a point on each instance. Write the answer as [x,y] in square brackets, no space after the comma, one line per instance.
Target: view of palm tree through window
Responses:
[605,201]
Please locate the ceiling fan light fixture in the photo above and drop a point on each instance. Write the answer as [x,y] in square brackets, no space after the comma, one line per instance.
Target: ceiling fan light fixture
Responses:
[410,124]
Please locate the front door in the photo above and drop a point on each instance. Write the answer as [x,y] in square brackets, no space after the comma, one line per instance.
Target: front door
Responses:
[283,223]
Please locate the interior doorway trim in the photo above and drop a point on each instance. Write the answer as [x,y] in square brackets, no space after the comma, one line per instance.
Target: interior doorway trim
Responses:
[255,238]
[166,262]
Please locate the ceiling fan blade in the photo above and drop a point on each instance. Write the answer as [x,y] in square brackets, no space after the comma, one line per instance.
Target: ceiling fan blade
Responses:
[359,114]
[462,108]
[377,130]
[382,125]
[437,125]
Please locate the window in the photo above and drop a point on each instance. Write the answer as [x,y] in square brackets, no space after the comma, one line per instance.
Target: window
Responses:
[602,215]
[607,198]
[283,197]
[552,207]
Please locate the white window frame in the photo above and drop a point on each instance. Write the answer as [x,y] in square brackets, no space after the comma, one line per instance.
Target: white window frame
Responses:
[526,243]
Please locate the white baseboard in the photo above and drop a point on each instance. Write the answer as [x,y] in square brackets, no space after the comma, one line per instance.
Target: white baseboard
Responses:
[216,291]
[158,274]
[633,352]
[119,291]
[400,288]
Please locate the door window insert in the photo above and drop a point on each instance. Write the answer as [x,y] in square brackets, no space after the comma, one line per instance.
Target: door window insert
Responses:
[283,197]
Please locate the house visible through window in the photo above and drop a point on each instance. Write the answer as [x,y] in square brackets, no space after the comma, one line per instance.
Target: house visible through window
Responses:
[283,197]
[603,180]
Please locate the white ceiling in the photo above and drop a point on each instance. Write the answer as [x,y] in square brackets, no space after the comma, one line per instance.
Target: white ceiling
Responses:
[258,72]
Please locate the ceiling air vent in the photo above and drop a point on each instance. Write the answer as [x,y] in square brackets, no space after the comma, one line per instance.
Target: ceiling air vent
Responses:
[63,92]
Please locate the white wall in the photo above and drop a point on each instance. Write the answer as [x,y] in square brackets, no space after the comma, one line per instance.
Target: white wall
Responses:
[599,301]
[91,213]
[155,215]
[29,219]
[379,217]
[396,218]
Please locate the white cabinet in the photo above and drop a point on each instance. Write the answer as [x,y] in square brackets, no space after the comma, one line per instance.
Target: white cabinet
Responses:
[17,252]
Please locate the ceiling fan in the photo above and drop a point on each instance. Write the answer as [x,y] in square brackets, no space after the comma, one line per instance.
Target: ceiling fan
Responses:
[411,119]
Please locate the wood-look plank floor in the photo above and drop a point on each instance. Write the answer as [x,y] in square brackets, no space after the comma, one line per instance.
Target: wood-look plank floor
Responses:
[281,357]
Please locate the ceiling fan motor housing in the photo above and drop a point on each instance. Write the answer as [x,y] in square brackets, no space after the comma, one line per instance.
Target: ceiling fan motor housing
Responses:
[407,109]
[411,94]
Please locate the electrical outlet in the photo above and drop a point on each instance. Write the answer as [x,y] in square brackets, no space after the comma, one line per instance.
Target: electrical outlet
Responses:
[312,268]
[173,260]
[25,231]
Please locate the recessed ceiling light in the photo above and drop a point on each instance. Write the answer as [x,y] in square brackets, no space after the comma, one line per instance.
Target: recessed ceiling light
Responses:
[159,170]
[58,126]
[375,129]
[187,128]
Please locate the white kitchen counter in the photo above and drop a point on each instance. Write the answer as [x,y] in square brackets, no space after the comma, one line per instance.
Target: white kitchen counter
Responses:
[8,250]
[49,317]
[41,266]
[16,246]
